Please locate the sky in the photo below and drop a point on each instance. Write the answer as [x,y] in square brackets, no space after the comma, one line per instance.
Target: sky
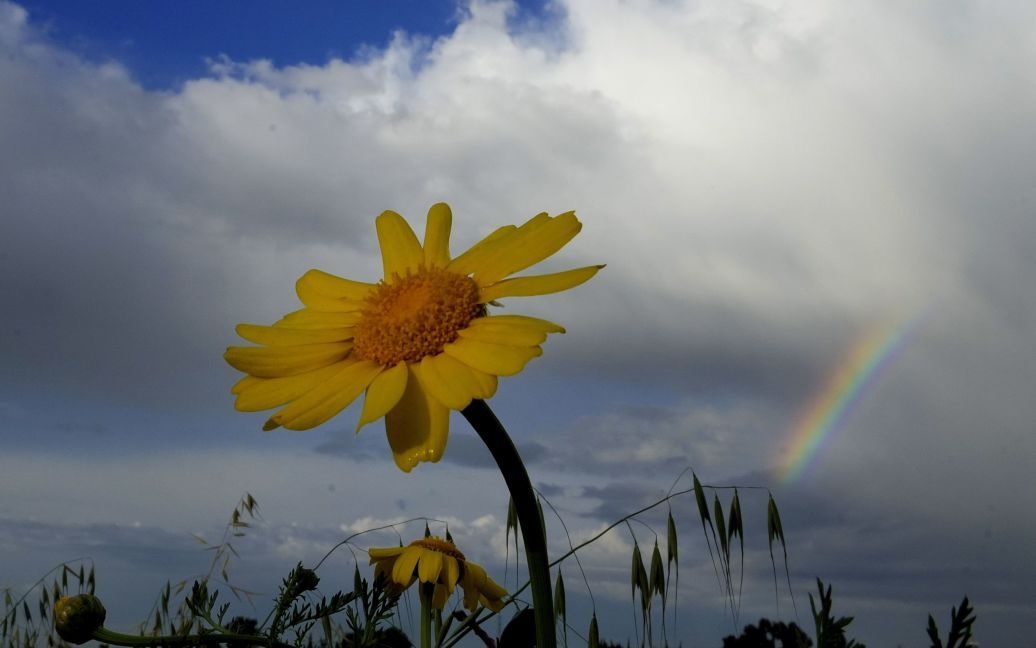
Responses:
[817,220]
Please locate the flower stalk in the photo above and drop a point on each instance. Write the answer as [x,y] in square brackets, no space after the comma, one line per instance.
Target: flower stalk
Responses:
[500,445]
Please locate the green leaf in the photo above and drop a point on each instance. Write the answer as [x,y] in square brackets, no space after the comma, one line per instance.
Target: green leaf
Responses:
[671,546]
[657,580]
[699,496]
[636,567]
[721,529]
[559,598]
[592,638]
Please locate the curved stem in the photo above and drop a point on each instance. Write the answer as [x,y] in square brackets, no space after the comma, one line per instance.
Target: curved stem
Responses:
[424,592]
[104,635]
[510,463]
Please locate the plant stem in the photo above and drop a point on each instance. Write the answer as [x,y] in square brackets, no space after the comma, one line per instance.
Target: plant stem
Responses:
[106,636]
[493,434]
[424,592]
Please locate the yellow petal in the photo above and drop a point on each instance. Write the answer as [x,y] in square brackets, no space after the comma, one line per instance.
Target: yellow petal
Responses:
[245,383]
[478,253]
[309,318]
[418,426]
[451,572]
[506,334]
[429,566]
[532,243]
[383,394]
[312,290]
[474,383]
[380,553]
[449,393]
[472,580]
[401,252]
[439,597]
[403,570]
[267,393]
[284,336]
[537,284]
[277,361]
[437,236]
[334,286]
[534,323]
[327,399]
[495,359]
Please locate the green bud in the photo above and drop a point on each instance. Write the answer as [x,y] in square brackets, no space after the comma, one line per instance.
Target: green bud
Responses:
[77,617]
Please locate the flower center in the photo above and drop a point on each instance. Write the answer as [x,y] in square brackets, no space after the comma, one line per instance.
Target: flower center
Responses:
[415,316]
[439,545]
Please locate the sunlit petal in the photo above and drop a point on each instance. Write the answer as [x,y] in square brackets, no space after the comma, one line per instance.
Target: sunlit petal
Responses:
[532,243]
[537,284]
[326,399]
[277,361]
[490,358]
[267,393]
[437,236]
[480,252]
[417,427]
[283,336]
[401,252]
[383,394]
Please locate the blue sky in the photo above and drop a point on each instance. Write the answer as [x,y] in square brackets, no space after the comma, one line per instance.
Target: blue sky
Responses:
[767,183]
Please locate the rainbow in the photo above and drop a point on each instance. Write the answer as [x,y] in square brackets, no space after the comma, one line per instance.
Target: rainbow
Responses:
[844,388]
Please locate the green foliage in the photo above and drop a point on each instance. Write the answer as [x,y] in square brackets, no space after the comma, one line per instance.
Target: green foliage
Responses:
[768,634]
[20,627]
[961,620]
[830,631]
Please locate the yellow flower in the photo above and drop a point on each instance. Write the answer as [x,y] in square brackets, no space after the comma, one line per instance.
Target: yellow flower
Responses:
[420,342]
[438,562]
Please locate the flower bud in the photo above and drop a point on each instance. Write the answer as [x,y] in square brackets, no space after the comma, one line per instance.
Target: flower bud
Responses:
[76,617]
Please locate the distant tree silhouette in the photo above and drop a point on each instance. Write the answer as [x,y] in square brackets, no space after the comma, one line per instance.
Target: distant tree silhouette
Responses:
[767,634]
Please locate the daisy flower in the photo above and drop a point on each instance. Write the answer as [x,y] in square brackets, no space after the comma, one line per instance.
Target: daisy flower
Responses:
[418,343]
[437,562]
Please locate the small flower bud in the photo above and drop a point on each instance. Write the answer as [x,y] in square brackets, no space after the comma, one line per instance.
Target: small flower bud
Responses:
[76,617]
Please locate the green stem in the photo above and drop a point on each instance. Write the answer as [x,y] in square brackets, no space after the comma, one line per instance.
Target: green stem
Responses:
[106,636]
[511,467]
[425,594]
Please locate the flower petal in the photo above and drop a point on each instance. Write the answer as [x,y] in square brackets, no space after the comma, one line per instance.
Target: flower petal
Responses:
[403,570]
[417,427]
[309,292]
[401,252]
[267,393]
[429,566]
[380,553]
[284,336]
[451,573]
[439,597]
[471,581]
[383,394]
[531,243]
[476,384]
[449,393]
[502,333]
[309,318]
[534,323]
[327,399]
[537,284]
[478,253]
[437,236]
[495,359]
[277,361]
[333,286]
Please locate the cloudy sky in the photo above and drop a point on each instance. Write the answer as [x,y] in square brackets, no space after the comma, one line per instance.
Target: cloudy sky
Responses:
[770,183]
